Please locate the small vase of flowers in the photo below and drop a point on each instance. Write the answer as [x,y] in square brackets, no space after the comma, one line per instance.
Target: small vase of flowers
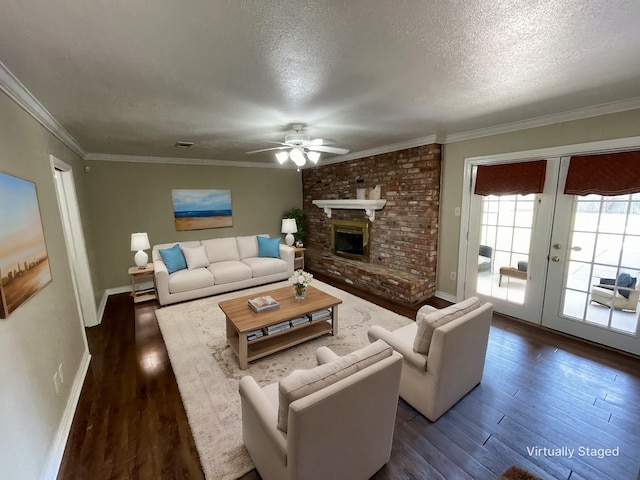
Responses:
[301,280]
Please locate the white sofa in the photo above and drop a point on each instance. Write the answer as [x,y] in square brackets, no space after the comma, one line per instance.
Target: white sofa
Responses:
[233,264]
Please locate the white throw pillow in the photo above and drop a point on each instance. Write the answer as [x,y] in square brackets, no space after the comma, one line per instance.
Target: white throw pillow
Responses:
[196,257]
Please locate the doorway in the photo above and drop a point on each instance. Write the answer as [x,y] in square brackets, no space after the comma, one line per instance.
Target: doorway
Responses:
[74,240]
[564,261]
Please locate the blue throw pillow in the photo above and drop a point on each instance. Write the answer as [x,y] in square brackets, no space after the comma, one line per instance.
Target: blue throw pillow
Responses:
[268,247]
[173,258]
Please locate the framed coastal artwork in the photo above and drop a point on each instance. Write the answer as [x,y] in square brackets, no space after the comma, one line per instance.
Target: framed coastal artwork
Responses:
[24,263]
[201,209]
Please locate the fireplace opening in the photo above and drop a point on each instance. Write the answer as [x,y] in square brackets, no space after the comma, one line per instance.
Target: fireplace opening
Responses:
[350,239]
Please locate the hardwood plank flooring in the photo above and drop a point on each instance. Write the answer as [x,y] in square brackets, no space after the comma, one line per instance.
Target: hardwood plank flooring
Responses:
[540,389]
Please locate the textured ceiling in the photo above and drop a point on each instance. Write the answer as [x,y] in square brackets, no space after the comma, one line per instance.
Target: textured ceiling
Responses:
[133,77]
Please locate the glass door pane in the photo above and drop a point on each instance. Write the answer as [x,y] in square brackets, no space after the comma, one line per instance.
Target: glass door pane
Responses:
[603,260]
[505,238]
[595,296]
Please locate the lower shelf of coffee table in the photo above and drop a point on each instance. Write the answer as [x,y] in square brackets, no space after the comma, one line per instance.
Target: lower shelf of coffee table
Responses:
[275,342]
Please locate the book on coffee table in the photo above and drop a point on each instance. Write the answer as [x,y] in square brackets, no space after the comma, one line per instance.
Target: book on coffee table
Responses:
[319,315]
[254,335]
[263,304]
[278,327]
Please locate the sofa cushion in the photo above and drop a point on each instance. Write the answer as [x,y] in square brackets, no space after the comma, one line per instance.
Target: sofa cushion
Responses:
[305,382]
[429,322]
[261,267]
[229,271]
[186,280]
[247,246]
[196,257]
[221,249]
[268,247]
[173,258]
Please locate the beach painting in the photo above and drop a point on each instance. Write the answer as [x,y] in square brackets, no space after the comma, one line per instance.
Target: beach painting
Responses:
[24,263]
[201,209]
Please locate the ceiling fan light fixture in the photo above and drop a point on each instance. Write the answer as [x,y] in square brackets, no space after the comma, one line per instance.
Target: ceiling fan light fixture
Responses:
[297,156]
[313,156]
[282,157]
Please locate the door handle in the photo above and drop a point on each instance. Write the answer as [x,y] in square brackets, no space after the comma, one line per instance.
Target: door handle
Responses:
[555,259]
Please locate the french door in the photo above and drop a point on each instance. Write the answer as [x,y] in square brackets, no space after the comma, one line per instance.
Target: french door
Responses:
[548,254]
[595,240]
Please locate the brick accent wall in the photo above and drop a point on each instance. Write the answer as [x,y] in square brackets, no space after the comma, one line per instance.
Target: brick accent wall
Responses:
[404,234]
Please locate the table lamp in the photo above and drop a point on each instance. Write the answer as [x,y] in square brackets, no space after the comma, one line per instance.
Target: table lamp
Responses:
[139,243]
[289,227]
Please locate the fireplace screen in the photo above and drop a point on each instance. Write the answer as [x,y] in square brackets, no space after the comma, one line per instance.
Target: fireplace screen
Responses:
[350,239]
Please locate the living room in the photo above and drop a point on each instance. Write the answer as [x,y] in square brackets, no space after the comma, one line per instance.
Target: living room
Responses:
[120,194]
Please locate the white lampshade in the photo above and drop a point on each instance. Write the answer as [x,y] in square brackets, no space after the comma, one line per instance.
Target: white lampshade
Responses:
[289,227]
[140,242]
[313,156]
[282,157]
[297,156]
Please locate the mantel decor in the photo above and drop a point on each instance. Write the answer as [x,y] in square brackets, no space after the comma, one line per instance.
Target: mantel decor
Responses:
[369,206]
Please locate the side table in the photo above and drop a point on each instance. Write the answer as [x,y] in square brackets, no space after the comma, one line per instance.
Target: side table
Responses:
[138,275]
[298,258]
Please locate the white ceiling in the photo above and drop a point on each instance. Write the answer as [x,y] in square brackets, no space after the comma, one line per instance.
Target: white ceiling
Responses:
[133,77]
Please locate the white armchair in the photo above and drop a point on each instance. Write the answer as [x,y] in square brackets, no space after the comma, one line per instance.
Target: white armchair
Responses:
[333,421]
[443,354]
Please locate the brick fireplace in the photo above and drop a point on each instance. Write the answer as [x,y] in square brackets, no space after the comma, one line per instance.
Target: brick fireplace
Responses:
[403,238]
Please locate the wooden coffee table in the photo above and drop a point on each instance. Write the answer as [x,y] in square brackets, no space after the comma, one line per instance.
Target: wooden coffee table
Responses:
[241,321]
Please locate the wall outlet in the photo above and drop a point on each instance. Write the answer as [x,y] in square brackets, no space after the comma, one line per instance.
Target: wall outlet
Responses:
[60,374]
[453,275]
[456,211]
[56,381]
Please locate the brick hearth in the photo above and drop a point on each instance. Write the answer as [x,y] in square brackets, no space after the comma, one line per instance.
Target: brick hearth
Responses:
[404,235]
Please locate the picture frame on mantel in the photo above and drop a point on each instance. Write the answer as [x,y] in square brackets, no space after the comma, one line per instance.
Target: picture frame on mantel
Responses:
[199,209]
[24,261]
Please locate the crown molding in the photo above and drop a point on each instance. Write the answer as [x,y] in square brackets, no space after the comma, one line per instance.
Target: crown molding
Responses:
[579,114]
[106,157]
[23,97]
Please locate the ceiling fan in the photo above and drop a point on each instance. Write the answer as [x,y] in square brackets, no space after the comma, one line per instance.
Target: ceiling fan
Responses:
[299,147]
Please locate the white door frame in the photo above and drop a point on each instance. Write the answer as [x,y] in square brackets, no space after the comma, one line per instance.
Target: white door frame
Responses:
[74,240]
[619,144]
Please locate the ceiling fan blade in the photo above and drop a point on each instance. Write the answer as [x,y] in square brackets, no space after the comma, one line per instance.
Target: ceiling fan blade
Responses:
[267,149]
[327,149]
[315,142]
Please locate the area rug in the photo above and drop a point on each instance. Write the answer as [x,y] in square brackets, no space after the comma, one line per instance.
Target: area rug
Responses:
[517,473]
[207,371]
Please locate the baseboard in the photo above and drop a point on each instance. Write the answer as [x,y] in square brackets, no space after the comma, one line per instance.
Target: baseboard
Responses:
[117,291]
[446,296]
[56,453]
[105,297]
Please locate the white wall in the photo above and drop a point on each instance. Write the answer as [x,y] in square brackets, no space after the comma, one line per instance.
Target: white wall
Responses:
[46,330]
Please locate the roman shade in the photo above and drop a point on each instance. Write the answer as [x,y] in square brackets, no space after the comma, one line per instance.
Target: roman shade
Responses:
[520,178]
[604,174]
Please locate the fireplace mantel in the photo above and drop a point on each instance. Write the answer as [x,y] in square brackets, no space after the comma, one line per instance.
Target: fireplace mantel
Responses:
[369,206]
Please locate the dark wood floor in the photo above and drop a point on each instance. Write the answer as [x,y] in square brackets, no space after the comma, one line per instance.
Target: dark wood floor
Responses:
[540,389]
